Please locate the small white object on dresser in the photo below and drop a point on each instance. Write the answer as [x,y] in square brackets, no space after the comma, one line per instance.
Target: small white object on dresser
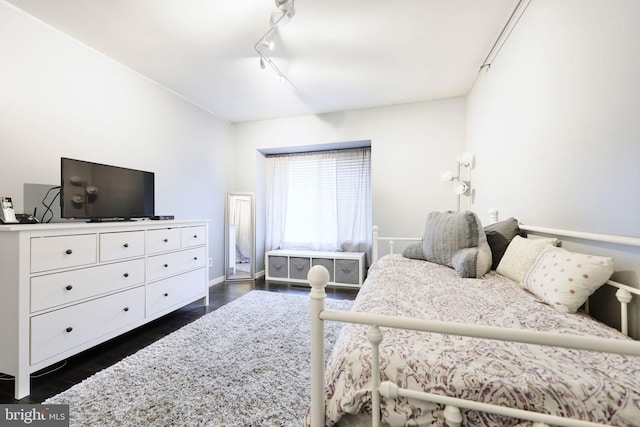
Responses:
[66,287]
[345,268]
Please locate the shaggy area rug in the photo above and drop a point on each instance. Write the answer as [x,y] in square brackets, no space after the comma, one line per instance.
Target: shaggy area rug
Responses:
[245,364]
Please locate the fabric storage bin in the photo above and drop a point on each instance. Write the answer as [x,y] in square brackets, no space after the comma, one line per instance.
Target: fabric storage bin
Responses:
[326,263]
[278,266]
[299,268]
[347,271]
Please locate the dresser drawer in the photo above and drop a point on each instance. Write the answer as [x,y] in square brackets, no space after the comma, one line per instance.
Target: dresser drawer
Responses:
[170,292]
[61,330]
[162,240]
[67,287]
[114,246]
[163,265]
[192,236]
[50,253]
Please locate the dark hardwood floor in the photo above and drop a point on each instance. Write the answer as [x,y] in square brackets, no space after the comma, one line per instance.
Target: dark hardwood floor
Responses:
[61,376]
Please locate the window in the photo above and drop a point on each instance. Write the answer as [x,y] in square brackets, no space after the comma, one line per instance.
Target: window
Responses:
[319,200]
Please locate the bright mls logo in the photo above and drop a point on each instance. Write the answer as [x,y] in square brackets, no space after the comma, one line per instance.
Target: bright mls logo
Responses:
[34,415]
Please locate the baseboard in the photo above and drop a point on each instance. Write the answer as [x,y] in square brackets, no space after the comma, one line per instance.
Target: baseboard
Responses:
[216,281]
[220,279]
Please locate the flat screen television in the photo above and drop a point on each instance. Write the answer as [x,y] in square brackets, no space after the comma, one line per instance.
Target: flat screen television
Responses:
[100,192]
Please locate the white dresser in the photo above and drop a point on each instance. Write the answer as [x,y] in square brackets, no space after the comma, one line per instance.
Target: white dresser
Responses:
[70,286]
[345,268]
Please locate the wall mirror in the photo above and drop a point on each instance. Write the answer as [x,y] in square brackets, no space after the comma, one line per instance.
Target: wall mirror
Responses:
[239,237]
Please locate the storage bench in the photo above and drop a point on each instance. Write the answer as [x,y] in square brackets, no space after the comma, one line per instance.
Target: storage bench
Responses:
[345,268]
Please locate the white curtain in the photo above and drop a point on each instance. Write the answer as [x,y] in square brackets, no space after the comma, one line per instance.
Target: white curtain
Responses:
[319,201]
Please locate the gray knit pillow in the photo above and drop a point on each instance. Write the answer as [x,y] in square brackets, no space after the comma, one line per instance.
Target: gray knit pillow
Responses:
[457,239]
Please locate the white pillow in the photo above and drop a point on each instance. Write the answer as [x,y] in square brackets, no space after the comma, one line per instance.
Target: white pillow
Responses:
[519,256]
[566,279]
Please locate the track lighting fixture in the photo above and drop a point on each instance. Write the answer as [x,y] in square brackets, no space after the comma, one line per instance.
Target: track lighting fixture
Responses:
[281,15]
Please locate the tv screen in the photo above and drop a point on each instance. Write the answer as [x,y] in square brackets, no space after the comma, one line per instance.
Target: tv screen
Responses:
[101,192]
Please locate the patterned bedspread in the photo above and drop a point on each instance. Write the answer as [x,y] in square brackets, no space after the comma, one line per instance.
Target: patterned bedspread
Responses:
[586,385]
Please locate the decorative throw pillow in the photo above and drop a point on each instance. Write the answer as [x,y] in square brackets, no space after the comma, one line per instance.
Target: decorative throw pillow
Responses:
[457,239]
[566,279]
[519,256]
[414,251]
[499,235]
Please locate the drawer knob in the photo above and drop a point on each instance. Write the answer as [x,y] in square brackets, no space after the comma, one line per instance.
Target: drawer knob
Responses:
[69,329]
[68,287]
[126,274]
[126,245]
[166,294]
[195,258]
[165,240]
[68,252]
[166,265]
[126,309]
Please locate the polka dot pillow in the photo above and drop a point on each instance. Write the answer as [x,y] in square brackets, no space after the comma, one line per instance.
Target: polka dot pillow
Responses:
[566,279]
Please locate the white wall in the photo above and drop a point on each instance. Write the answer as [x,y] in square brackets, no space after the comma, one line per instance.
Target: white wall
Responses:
[554,122]
[411,145]
[61,98]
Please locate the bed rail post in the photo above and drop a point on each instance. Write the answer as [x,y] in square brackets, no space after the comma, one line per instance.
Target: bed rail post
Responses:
[318,278]
[624,297]
[375,338]
[375,244]
[453,416]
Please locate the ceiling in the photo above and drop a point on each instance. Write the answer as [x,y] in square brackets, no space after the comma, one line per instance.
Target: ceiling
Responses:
[337,54]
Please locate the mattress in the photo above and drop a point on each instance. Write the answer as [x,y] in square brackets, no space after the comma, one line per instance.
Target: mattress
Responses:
[591,386]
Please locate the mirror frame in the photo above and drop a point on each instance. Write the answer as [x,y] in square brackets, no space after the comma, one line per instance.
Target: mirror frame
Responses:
[228,274]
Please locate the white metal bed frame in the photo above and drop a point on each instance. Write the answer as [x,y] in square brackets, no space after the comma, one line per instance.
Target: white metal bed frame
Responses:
[319,276]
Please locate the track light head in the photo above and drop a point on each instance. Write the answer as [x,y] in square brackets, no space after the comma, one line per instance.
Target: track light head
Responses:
[267,43]
[466,159]
[447,176]
[460,187]
[283,12]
